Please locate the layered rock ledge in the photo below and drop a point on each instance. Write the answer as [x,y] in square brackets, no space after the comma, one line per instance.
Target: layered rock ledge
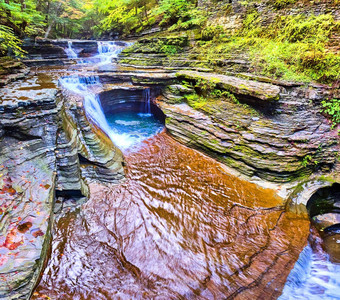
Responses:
[280,141]
[274,132]
[238,86]
[48,152]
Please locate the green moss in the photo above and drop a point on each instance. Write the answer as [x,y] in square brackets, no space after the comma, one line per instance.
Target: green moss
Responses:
[168,120]
[290,48]
[196,101]
[283,3]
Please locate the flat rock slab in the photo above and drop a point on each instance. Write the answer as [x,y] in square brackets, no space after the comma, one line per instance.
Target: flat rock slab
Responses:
[34,90]
[255,89]
[137,77]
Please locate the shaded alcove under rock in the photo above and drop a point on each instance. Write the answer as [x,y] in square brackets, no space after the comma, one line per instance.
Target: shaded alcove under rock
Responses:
[324,210]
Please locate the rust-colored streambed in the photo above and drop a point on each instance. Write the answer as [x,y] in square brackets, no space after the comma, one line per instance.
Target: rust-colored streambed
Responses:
[179,227]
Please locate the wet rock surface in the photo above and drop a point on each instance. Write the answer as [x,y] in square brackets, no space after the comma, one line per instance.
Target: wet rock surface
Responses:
[27,182]
[11,70]
[42,138]
[178,227]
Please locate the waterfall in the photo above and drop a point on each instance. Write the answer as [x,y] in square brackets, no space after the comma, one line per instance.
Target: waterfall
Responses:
[70,52]
[108,50]
[146,96]
[146,104]
[81,85]
[93,109]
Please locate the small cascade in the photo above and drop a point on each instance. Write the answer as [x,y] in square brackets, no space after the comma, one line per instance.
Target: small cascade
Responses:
[313,277]
[108,50]
[125,129]
[146,105]
[71,54]
[93,109]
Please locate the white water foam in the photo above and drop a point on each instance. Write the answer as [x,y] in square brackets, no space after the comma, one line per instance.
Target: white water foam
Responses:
[94,111]
[108,50]
[71,54]
[314,277]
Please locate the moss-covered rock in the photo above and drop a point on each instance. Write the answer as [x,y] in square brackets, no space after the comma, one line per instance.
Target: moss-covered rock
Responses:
[268,142]
[241,87]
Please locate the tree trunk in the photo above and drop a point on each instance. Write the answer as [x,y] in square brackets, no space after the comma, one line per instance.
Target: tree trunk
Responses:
[48,30]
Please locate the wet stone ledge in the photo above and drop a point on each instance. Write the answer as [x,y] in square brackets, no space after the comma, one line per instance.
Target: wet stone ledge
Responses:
[283,140]
[44,140]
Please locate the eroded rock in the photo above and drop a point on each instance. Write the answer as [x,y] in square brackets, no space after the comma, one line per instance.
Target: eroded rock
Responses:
[279,141]
[43,138]
[238,86]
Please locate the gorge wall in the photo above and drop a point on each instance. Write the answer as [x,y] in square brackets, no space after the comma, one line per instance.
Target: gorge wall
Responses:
[48,152]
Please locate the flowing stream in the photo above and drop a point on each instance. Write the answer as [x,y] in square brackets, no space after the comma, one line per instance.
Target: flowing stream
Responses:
[179,227]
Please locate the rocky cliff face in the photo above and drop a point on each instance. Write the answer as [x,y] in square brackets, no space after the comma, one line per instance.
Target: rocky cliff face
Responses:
[48,151]
[277,140]
[265,128]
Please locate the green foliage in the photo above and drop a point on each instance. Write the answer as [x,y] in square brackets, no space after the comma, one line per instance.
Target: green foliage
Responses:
[9,43]
[133,16]
[314,29]
[307,160]
[294,61]
[332,108]
[69,18]
[291,48]
[168,46]
[169,49]
[181,14]
[55,18]
[204,87]
[21,16]
[124,16]
[18,19]
[251,24]
[283,3]
[211,32]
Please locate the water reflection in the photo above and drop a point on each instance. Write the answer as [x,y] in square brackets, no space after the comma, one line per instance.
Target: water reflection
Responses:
[179,227]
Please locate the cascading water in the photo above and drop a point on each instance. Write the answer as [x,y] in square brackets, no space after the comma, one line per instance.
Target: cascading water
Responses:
[124,128]
[108,50]
[314,276]
[94,111]
[71,54]
[146,106]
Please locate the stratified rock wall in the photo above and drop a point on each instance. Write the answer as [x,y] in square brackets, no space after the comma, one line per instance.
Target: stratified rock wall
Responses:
[27,182]
[47,147]
[271,129]
[280,141]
